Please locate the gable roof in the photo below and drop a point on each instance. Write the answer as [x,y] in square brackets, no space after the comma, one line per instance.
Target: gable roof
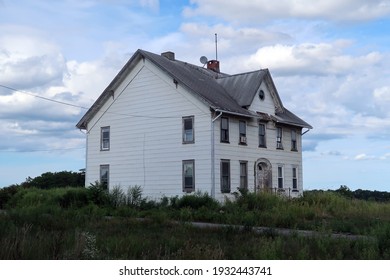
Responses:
[222,92]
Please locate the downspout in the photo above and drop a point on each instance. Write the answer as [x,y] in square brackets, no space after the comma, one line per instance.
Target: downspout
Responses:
[213,154]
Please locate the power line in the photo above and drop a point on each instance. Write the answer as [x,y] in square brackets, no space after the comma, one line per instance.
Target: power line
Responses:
[44,98]
[33,151]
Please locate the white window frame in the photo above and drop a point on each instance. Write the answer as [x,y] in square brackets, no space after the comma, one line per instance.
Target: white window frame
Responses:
[242,132]
[105,168]
[225,189]
[294,178]
[294,142]
[263,136]
[225,131]
[105,141]
[185,163]
[243,175]
[279,138]
[187,139]
[280,177]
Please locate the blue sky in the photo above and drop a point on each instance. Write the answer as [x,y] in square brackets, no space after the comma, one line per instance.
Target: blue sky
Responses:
[329,60]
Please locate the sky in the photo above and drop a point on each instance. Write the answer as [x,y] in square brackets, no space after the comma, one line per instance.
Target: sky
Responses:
[328,58]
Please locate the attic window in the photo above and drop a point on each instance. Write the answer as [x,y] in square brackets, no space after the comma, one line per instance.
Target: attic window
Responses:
[261,95]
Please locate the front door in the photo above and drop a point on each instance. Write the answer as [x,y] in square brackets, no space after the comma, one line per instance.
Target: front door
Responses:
[263,175]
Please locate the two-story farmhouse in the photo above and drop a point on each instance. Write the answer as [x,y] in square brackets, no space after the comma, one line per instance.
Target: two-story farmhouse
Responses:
[175,128]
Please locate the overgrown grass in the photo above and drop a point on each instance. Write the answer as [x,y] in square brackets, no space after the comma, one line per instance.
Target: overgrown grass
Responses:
[90,223]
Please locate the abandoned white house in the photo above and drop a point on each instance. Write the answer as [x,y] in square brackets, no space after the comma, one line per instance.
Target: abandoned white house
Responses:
[174,128]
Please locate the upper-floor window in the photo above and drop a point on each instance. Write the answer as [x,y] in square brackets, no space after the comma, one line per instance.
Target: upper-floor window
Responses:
[104,175]
[224,129]
[242,131]
[262,142]
[280,177]
[225,176]
[105,138]
[294,146]
[188,175]
[279,140]
[294,178]
[188,130]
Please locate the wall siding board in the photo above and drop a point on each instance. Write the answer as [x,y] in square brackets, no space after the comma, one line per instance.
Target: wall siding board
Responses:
[145,119]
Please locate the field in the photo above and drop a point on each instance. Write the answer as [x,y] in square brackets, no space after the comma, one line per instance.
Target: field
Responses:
[89,223]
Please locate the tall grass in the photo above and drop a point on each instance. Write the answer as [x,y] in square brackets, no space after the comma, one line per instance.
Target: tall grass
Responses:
[72,223]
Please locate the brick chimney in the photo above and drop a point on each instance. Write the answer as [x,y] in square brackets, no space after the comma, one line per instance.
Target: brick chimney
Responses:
[170,55]
[213,65]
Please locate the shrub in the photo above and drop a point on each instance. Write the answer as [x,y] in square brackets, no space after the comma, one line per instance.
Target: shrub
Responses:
[74,197]
[98,194]
[195,201]
[117,197]
[6,194]
[134,196]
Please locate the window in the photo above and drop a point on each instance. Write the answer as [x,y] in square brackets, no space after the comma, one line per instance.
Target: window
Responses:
[294,179]
[105,138]
[242,130]
[224,130]
[262,142]
[280,177]
[104,175]
[279,135]
[294,140]
[243,174]
[225,176]
[261,95]
[188,175]
[188,130]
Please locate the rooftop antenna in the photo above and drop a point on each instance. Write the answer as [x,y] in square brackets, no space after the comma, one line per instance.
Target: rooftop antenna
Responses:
[216,46]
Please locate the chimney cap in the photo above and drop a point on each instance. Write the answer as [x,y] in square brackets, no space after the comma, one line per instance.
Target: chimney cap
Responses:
[169,54]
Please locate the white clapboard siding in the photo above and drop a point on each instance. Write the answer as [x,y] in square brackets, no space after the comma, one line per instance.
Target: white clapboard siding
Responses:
[145,119]
[251,153]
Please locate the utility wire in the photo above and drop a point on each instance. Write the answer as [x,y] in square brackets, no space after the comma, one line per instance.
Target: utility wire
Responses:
[44,98]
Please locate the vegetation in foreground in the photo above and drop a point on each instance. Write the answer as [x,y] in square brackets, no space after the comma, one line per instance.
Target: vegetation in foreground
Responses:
[90,223]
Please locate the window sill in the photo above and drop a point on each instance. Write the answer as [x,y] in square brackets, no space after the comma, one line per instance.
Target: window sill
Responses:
[264,147]
[294,150]
[104,150]
[280,149]
[226,142]
[185,143]
[295,190]
[189,191]
[242,144]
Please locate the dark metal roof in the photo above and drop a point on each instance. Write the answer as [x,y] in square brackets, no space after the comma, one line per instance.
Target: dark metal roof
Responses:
[243,87]
[222,92]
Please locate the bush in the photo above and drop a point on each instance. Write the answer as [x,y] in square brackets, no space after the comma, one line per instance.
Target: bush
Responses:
[6,194]
[195,201]
[98,194]
[51,180]
[74,197]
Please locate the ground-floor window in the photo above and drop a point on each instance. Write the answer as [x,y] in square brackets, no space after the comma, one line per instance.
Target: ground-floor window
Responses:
[280,177]
[243,174]
[104,175]
[294,178]
[189,175]
[225,176]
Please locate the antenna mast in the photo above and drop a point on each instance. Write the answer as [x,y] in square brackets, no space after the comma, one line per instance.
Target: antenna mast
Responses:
[216,46]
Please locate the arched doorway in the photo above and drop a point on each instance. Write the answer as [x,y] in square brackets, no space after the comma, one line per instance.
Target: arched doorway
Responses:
[263,175]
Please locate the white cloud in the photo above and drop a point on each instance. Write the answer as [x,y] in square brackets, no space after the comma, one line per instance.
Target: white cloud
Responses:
[27,61]
[311,59]
[250,11]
